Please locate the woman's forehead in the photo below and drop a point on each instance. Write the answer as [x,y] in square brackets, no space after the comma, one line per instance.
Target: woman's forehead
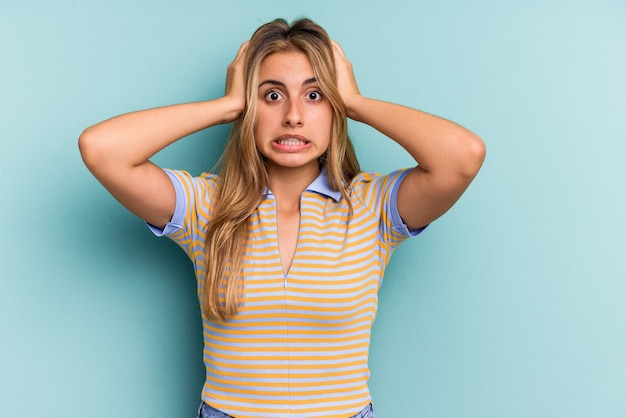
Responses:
[286,66]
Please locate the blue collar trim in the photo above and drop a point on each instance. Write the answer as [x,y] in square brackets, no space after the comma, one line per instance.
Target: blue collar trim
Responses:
[320,185]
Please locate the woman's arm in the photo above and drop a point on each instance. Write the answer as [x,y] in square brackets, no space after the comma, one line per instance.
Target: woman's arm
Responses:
[117,151]
[449,156]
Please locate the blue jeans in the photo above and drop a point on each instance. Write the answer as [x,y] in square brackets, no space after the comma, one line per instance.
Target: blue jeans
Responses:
[207,411]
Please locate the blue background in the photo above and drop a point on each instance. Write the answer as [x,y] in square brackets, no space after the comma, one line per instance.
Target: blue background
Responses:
[511,305]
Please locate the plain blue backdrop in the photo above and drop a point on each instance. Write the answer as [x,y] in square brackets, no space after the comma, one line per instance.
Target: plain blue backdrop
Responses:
[511,305]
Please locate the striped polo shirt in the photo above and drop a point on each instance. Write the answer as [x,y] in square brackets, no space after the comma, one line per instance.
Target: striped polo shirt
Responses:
[299,345]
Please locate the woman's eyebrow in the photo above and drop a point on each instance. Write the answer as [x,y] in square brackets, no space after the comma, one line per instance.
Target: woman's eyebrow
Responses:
[311,80]
[272,82]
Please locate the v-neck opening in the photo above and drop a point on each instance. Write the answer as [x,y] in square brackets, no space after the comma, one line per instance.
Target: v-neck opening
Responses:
[297,240]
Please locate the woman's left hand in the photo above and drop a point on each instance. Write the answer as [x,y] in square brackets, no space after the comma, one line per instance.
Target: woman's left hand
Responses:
[346,82]
[235,82]
[448,155]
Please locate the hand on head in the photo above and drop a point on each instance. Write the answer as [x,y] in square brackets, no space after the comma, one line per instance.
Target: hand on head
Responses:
[235,83]
[346,82]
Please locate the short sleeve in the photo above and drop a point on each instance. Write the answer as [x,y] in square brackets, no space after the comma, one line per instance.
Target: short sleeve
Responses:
[178,218]
[192,213]
[379,194]
[392,207]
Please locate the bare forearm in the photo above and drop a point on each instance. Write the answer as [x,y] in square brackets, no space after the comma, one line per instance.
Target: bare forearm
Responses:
[117,151]
[448,155]
[435,143]
[131,139]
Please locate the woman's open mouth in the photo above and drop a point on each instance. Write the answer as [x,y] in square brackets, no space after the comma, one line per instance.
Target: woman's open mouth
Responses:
[291,142]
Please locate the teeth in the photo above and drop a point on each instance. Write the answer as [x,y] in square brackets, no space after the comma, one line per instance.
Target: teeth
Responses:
[290,141]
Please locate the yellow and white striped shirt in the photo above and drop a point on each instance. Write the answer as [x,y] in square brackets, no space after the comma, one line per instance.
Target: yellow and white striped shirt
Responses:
[299,345]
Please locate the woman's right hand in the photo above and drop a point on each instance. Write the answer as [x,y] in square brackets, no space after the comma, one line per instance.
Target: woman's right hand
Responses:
[235,83]
[117,151]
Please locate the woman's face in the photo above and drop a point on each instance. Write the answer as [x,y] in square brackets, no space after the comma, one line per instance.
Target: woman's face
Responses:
[293,117]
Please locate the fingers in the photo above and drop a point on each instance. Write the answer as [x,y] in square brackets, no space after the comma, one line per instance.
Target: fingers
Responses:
[340,57]
[338,50]
[346,82]
[239,58]
[235,88]
[242,50]
[344,67]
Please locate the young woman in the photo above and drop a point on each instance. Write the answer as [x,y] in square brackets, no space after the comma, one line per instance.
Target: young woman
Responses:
[290,239]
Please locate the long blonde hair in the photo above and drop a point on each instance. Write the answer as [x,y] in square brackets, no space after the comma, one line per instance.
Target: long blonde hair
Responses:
[243,176]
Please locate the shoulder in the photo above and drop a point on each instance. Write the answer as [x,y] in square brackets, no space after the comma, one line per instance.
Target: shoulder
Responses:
[184,175]
[367,180]
[192,185]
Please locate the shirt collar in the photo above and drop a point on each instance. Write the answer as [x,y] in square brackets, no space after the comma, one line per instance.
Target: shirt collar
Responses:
[320,186]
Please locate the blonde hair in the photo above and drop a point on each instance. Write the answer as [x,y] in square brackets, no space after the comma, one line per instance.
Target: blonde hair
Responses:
[243,175]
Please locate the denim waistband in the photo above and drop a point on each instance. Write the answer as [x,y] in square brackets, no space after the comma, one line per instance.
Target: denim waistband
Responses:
[207,411]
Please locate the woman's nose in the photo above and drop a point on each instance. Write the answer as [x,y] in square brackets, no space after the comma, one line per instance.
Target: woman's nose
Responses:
[293,114]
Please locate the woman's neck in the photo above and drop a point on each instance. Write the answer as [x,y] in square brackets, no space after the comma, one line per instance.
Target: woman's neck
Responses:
[287,184]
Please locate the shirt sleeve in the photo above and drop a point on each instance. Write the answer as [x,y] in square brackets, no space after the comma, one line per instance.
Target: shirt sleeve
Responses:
[192,213]
[379,193]
[178,218]
[392,208]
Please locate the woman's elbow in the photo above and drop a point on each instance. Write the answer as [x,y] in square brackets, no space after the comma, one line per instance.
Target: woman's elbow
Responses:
[90,147]
[473,156]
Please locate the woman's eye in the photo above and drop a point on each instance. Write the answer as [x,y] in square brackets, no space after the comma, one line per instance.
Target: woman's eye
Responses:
[314,96]
[272,96]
